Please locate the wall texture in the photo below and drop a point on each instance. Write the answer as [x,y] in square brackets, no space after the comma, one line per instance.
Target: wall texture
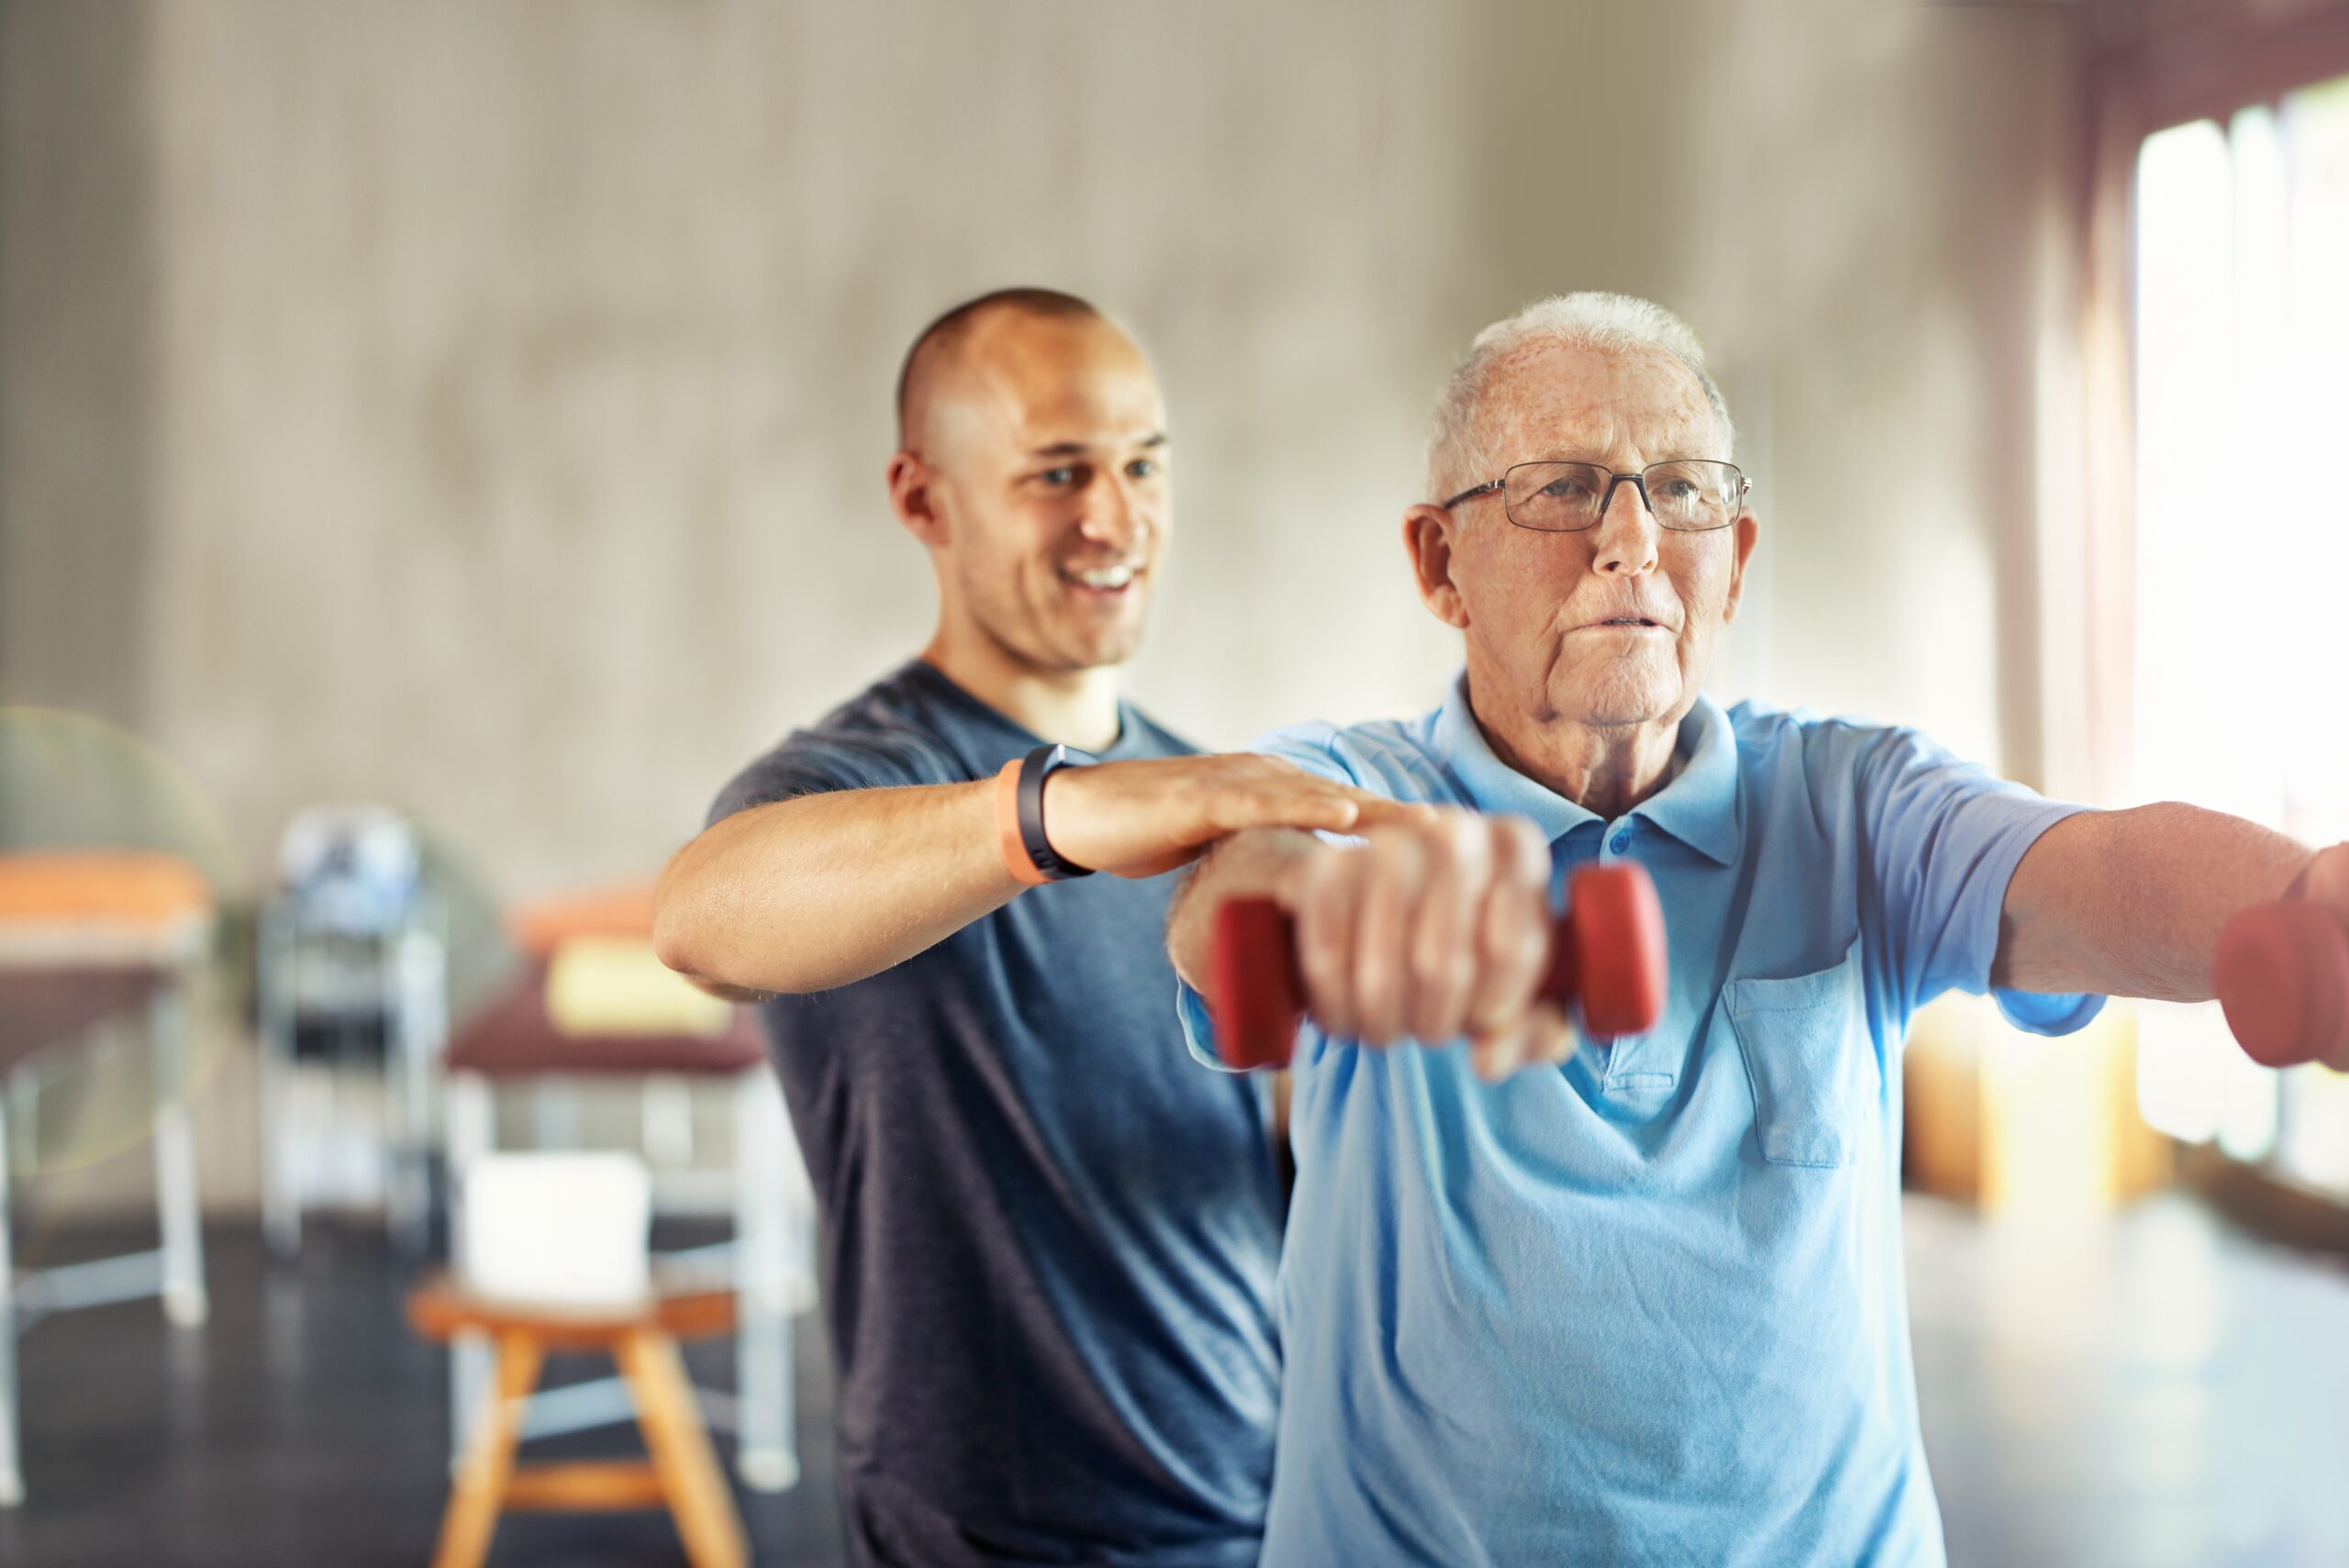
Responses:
[482,408]
[78,293]
[528,373]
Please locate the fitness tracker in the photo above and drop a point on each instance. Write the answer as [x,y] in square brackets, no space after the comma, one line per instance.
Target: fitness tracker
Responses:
[1020,816]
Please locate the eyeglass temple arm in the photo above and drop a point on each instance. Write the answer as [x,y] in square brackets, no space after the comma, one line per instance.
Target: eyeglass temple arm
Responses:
[1487,487]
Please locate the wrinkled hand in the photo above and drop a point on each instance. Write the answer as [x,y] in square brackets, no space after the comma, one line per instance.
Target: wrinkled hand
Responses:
[1143,818]
[1431,929]
[2327,884]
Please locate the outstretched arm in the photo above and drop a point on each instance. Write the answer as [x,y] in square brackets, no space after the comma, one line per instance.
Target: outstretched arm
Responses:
[2130,902]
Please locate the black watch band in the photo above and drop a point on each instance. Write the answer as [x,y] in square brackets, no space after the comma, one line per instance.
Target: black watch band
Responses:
[1034,768]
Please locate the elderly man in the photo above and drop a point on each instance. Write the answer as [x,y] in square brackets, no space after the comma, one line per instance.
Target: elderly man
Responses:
[1644,1305]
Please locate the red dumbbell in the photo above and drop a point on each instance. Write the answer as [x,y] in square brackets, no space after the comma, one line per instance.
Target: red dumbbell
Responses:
[2282,974]
[1608,955]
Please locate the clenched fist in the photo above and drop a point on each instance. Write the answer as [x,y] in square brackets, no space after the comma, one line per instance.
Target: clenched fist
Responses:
[1437,926]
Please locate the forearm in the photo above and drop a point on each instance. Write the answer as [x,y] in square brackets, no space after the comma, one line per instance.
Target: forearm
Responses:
[2130,902]
[818,891]
[1254,864]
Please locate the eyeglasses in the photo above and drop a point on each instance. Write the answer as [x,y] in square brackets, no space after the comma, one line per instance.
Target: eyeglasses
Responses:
[1686,495]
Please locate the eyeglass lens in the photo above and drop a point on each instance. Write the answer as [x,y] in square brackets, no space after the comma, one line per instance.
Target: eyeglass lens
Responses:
[1688,494]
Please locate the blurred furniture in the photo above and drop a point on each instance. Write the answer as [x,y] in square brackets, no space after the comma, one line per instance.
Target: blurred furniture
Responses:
[592,1005]
[681,1473]
[352,972]
[91,941]
[2009,1121]
[564,1228]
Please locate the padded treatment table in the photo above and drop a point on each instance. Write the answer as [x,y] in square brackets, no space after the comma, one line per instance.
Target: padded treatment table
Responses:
[90,940]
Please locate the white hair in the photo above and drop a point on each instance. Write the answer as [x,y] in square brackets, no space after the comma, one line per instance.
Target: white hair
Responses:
[1614,322]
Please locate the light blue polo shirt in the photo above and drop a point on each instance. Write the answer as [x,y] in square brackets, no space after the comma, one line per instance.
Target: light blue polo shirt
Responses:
[1647,1308]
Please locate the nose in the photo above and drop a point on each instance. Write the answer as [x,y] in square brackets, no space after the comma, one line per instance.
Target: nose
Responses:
[1114,515]
[1627,535]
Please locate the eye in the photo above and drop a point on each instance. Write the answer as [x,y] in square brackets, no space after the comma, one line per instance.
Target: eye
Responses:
[1568,487]
[1677,490]
[1142,468]
[1060,478]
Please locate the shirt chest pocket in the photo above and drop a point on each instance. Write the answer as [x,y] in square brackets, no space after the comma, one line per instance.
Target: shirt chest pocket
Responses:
[1811,1062]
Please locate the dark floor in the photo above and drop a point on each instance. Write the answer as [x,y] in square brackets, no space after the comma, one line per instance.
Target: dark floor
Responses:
[2156,1390]
[304,1425]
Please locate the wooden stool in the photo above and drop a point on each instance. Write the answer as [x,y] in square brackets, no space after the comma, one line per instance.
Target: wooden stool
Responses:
[518,1039]
[683,1474]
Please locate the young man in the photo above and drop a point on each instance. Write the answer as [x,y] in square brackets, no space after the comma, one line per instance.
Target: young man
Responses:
[1050,1242]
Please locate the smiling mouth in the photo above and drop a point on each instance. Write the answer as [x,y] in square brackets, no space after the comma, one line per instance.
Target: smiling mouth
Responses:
[1636,622]
[1103,579]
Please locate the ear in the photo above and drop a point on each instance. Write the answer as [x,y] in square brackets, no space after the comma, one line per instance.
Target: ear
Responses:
[1748,528]
[913,496]
[1427,534]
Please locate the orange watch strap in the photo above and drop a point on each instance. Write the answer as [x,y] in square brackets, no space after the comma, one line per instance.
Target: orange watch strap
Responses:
[1006,827]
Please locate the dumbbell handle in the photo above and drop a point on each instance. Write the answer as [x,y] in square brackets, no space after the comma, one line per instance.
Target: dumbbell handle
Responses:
[2282,976]
[1608,955]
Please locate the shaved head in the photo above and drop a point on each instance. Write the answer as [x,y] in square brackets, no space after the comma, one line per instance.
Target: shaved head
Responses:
[1032,463]
[934,366]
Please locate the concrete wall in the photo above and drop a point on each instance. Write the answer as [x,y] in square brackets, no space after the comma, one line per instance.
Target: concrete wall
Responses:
[78,287]
[482,408]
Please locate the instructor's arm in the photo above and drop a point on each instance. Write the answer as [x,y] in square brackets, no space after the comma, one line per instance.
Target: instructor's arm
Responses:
[814,892]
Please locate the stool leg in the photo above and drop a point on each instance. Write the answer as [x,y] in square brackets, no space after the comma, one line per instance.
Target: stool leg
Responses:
[470,1366]
[185,1302]
[557,1120]
[415,1005]
[281,1199]
[12,1477]
[682,1456]
[471,1133]
[667,1109]
[479,1486]
[765,1454]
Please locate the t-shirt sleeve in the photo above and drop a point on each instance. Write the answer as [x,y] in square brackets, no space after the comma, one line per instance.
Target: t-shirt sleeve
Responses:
[1945,837]
[1314,748]
[1319,750]
[816,761]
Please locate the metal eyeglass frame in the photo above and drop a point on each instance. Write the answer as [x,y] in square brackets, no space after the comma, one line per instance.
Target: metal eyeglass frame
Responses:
[1638,481]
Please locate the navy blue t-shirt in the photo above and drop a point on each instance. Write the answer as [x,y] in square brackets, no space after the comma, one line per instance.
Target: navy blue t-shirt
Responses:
[1049,1239]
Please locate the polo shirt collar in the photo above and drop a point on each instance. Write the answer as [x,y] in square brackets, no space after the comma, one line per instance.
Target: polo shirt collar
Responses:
[1701,806]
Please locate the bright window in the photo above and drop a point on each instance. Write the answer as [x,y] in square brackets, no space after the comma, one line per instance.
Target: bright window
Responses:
[2243,551]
